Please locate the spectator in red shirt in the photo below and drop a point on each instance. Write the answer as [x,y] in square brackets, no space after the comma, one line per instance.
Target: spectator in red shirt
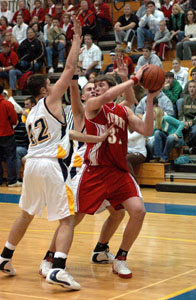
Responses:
[9,60]
[12,41]
[120,53]
[22,11]
[59,13]
[103,18]
[166,8]
[39,12]
[87,19]
[50,9]
[68,7]
[68,29]
[8,118]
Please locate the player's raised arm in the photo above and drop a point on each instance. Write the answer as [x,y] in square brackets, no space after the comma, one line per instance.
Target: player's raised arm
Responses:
[94,104]
[60,87]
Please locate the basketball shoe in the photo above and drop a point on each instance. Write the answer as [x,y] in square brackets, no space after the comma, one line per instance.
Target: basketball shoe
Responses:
[6,266]
[102,257]
[120,267]
[45,267]
[63,278]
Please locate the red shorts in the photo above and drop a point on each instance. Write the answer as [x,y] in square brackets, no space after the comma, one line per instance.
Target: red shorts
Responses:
[98,183]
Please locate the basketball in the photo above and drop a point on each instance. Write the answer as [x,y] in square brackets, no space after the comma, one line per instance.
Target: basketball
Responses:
[153,78]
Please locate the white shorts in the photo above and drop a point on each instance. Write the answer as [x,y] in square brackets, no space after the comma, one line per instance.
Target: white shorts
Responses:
[44,185]
[75,183]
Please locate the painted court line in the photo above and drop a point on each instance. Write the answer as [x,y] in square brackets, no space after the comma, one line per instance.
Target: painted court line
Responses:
[27,296]
[151,285]
[178,293]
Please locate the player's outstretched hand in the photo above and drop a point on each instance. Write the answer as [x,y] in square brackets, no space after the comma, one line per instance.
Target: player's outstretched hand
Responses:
[76,27]
[139,73]
[104,136]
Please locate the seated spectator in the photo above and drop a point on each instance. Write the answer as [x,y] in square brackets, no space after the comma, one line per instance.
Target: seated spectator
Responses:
[109,69]
[120,53]
[9,61]
[12,41]
[87,19]
[193,60]
[137,152]
[193,78]
[177,23]
[22,143]
[4,22]
[38,33]
[8,118]
[90,58]
[34,19]
[29,103]
[22,10]
[2,35]
[20,29]
[5,12]
[161,40]
[167,135]
[172,89]
[142,10]
[125,28]
[68,7]
[166,8]
[39,12]
[148,58]
[151,20]
[56,45]
[47,26]
[103,17]
[163,101]
[187,115]
[188,44]
[17,107]
[31,52]
[59,12]
[50,7]
[68,30]
[180,73]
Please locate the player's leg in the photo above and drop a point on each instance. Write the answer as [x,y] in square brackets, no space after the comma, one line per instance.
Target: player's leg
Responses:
[48,259]
[16,234]
[101,253]
[57,274]
[136,210]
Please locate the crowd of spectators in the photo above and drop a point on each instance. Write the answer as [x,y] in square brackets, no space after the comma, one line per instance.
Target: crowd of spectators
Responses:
[33,36]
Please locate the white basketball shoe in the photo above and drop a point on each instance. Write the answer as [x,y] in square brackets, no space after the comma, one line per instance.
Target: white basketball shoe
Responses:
[120,267]
[102,257]
[45,267]
[6,266]
[63,278]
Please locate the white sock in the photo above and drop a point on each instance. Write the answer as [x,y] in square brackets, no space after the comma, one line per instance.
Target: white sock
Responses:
[129,45]
[60,255]
[10,246]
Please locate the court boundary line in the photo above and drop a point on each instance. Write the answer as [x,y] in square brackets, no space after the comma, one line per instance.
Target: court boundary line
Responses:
[153,284]
[28,296]
[181,292]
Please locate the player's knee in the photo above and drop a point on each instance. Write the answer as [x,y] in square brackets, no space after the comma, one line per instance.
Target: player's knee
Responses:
[68,221]
[139,212]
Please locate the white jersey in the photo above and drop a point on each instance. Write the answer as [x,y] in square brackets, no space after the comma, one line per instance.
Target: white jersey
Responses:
[77,158]
[49,137]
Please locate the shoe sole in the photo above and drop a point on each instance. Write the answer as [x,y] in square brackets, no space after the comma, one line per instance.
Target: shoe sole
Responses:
[63,285]
[125,276]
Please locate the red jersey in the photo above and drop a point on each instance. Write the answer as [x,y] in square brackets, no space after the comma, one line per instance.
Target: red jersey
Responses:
[9,59]
[129,61]
[112,152]
[40,13]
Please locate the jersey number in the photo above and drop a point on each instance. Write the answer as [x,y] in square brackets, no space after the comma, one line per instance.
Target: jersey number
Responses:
[43,136]
[112,139]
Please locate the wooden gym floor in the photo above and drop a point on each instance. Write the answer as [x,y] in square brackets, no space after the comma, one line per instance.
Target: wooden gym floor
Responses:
[162,260]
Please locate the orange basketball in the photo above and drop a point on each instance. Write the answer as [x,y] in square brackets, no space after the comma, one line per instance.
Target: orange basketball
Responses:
[153,78]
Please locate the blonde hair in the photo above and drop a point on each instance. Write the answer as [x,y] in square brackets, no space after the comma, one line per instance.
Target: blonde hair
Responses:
[159,113]
[180,10]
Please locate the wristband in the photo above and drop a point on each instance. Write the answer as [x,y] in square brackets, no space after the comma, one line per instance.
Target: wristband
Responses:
[75,77]
[135,80]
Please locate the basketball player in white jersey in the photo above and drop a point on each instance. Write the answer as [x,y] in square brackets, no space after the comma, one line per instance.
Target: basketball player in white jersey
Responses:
[46,178]
[101,253]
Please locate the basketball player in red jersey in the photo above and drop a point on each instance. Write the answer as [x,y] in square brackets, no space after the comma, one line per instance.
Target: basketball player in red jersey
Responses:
[106,175]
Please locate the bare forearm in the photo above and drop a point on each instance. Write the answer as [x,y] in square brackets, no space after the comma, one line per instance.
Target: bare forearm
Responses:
[85,138]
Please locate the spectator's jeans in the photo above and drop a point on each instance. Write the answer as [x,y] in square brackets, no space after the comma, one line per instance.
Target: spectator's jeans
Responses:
[144,34]
[163,144]
[184,49]
[179,104]
[100,24]
[192,136]
[27,66]
[8,154]
[20,153]
[13,75]
[124,36]
[61,51]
